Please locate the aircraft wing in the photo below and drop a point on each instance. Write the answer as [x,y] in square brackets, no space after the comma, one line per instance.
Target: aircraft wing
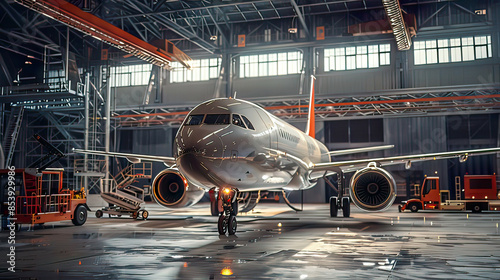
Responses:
[133,158]
[360,150]
[353,165]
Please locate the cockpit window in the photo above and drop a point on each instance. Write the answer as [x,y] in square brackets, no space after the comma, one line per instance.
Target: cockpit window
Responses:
[248,123]
[194,120]
[217,119]
[238,121]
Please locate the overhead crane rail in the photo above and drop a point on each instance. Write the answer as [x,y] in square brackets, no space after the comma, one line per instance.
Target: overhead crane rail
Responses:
[98,28]
[392,103]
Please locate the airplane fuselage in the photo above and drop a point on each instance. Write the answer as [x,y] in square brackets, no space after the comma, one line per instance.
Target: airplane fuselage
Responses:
[235,143]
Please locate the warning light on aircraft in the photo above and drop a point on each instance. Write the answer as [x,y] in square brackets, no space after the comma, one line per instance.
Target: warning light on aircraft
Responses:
[226,271]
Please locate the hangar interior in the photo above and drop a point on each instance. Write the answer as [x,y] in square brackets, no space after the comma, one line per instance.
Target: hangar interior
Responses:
[433,88]
[112,75]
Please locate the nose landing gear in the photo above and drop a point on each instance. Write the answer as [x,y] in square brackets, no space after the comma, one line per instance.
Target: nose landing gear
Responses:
[227,219]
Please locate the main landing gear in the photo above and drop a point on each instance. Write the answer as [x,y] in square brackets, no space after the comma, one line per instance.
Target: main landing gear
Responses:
[228,207]
[344,203]
[341,202]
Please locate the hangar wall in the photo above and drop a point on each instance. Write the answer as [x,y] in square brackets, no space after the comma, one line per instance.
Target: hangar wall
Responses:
[410,135]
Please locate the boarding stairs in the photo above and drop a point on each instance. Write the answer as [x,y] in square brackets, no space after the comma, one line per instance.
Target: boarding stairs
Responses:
[119,190]
[12,132]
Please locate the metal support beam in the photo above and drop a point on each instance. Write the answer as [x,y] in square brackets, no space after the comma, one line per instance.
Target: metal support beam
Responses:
[86,91]
[301,17]
[107,125]
[60,127]
[5,71]
[183,32]
[217,25]
[66,60]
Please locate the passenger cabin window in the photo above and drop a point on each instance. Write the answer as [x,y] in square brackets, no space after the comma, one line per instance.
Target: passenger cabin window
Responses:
[238,121]
[194,120]
[248,123]
[217,119]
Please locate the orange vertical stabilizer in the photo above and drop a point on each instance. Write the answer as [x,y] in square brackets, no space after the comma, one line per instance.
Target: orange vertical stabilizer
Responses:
[311,122]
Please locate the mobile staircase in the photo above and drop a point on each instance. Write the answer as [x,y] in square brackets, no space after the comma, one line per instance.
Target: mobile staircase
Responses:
[123,198]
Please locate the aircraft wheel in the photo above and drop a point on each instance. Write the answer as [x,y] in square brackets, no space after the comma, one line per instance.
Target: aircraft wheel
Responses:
[346,207]
[214,208]
[145,214]
[98,214]
[232,225]
[80,215]
[334,206]
[222,224]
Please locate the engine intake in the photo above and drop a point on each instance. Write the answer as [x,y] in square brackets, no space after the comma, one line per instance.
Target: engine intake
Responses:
[171,189]
[373,188]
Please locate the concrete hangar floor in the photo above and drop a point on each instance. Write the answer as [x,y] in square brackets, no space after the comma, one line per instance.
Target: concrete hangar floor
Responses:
[308,245]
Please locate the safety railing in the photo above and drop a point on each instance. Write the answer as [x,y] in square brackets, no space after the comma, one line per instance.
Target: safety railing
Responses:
[29,205]
[133,171]
[93,165]
[107,185]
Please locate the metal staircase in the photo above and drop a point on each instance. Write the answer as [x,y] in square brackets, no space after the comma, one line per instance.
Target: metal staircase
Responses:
[121,193]
[12,133]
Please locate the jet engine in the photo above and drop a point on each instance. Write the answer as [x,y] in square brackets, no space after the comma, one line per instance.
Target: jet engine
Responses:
[373,188]
[171,189]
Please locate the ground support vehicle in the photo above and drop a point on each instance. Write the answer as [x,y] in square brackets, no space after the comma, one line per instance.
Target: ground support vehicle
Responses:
[479,193]
[40,197]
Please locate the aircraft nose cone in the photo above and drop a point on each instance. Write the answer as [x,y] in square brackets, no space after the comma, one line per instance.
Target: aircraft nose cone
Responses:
[199,142]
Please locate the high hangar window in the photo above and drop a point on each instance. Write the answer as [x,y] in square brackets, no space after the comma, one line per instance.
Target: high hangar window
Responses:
[359,57]
[452,50]
[130,75]
[270,64]
[201,70]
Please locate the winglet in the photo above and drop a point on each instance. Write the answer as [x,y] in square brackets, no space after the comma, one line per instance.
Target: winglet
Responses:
[311,122]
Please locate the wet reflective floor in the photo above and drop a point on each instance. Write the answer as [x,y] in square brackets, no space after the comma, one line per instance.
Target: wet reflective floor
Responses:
[272,243]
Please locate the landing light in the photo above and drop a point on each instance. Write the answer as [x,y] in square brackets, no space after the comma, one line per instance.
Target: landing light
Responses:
[226,271]
[227,191]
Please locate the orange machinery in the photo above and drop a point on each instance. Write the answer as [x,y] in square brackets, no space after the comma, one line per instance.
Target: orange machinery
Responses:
[479,193]
[41,198]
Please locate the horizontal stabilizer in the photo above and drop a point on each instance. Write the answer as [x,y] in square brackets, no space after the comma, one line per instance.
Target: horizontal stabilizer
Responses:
[360,150]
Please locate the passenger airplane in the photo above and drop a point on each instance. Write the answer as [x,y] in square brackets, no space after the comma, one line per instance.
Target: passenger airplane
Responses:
[231,146]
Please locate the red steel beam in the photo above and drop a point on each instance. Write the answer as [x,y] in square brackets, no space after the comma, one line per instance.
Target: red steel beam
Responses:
[87,23]
[428,99]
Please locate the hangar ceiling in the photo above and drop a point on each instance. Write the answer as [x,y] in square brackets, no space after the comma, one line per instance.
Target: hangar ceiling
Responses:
[27,32]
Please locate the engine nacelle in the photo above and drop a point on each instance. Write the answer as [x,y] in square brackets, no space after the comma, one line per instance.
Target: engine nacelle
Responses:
[171,189]
[373,188]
